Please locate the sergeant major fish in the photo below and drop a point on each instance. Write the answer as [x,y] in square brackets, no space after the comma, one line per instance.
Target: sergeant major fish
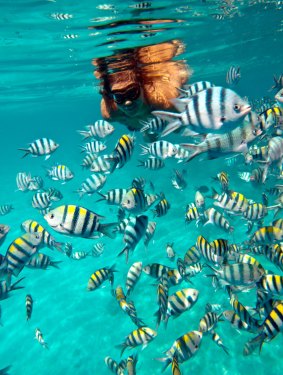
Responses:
[40,147]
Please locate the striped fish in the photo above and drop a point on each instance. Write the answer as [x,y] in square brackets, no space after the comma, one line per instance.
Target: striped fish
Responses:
[192,256]
[123,151]
[134,201]
[23,180]
[60,173]
[216,218]
[175,365]
[274,155]
[128,307]
[271,283]
[215,307]
[131,364]
[267,235]
[142,5]
[208,322]
[93,147]
[178,180]
[272,325]
[232,201]
[223,179]
[36,183]
[152,163]
[102,163]
[255,212]
[40,339]
[207,251]
[161,208]
[93,183]
[29,305]
[156,270]
[138,183]
[61,16]
[114,196]
[100,129]
[77,221]
[215,109]
[181,301]
[155,125]
[149,233]
[41,200]
[233,75]
[239,274]
[88,160]
[160,149]
[185,347]
[133,276]
[220,247]
[217,145]
[40,147]
[21,250]
[194,88]
[113,366]
[99,276]
[32,226]
[41,261]
[134,231]
[4,230]
[162,299]
[141,336]
[192,213]
[5,209]
[256,153]
[234,319]
[71,36]
[182,154]
[98,249]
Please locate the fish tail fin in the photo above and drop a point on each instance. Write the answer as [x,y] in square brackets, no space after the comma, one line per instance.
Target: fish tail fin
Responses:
[123,347]
[141,163]
[26,150]
[174,119]
[55,264]
[58,246]
[166,361]
[115,161]
[84,133]
[103,198]
[145,150]
[15,285]
[108,229]
[126,252]
[195,148]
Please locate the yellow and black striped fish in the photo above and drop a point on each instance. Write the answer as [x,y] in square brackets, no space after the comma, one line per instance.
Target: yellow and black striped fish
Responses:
[99,276]
[140,336]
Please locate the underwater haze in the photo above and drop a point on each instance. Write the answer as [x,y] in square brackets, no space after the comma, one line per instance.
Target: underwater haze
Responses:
[49,90]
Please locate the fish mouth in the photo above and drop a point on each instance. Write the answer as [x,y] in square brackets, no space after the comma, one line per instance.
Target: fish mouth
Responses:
[246,109]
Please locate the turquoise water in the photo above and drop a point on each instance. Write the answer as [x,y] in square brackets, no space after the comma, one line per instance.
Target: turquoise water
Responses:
[48,90]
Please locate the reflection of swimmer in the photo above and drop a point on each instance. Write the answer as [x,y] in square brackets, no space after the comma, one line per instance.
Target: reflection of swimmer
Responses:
[137,81]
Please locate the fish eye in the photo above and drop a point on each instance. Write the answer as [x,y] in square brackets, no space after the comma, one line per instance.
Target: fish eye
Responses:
[237,107]
[51,216]
[128,201]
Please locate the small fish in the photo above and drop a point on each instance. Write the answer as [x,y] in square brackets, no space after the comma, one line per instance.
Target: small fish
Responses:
[181,301]
[93,147]
[239,274]
[98,249]
[41,261]
[114,196]
[60,173]
[113,366]
[78,255]
[216,308]
[40,339]
[233,75]
[123,151]
[155,125]
[134,201]
[152,163]
[99,276]
[208,322]
[41,200]
[194,88]
[102,163]
[161,208]
[29,305]
[88,160]
[5,209]
[217,339]
[23,181]
[41,147]
[92,184]
[170,251]
[149,233]
[216,218]
[4,230]
[100,129]
[141,336]
[61,16]
[178,180]
[36,183]
[133,276]
[160,149]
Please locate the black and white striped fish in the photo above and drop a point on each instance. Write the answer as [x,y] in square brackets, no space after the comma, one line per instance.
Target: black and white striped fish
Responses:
[60,173]
[98,249]
[41,200]
[55,194]
[99,276]
[23,180]
[149,233]
[114,196]
[142,5]
[138,183]
[133,276]
[36,183]
[29,305]
[92,184]
[134,231]
[40,339]
[134,201]
[100,129]
[181,301]
[161,208]
[194,88]
[113,366]
[162,299]
[103,163]
[233,75]
[123,151]
[152,163]
[216,218]
[93,147]
[141,336]
[40,147]
[77,221]
[70,36]
[160,149]
[5,209]
[155,125]
[215,110]
[61,16]
[88,160]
